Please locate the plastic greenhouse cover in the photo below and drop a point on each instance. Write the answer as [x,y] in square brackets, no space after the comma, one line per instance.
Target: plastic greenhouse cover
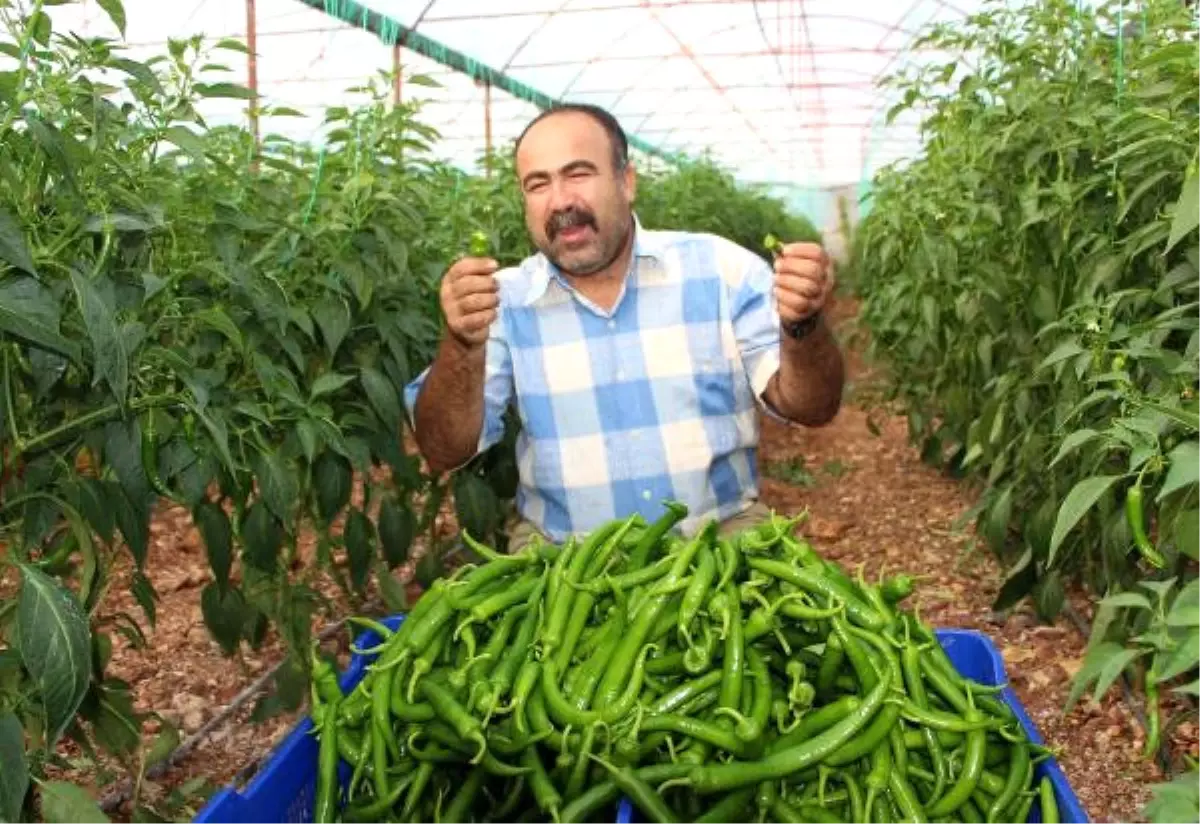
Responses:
[780,92]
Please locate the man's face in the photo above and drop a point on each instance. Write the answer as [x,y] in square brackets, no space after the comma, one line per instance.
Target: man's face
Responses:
[577,205]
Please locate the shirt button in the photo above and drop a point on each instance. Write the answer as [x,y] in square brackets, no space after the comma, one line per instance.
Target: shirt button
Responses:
[646,494]
[612,324]
[620,375]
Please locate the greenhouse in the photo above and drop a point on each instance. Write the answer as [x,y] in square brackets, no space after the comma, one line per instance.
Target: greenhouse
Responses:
[599,410]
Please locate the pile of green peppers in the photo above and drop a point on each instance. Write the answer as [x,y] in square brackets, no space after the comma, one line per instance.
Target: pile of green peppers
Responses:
[714,677]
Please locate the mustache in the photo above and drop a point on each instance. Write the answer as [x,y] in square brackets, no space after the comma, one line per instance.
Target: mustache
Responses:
[566,218]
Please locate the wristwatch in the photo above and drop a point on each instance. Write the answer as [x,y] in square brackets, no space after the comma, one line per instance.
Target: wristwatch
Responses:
[799,329]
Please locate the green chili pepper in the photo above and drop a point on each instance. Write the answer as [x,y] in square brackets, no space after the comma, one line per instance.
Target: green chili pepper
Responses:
[1134,514]
[712,778]
[1153,722]
[325,804]
[150,460]
[480,245]
[972,766]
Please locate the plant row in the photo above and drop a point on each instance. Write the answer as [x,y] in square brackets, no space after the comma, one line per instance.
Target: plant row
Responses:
[190,319]
[1030,285]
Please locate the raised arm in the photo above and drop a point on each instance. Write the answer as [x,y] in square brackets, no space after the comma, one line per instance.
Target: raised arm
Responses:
[457,404]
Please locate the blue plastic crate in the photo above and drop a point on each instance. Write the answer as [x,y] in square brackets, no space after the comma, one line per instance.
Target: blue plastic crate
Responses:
[284,790]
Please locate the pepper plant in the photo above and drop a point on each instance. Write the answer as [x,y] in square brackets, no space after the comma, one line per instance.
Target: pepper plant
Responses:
[1030,286]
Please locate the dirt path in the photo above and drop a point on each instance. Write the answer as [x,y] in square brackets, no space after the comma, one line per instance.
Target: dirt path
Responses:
[870,500]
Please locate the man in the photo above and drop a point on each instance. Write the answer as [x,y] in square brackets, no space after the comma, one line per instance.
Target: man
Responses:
[637,359]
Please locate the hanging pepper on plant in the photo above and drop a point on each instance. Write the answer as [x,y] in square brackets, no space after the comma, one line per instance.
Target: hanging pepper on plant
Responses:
[1134,515]
[150,459]
[1152,719]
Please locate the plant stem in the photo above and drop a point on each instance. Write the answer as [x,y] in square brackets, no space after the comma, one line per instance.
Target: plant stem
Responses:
[48,439]
[21,69]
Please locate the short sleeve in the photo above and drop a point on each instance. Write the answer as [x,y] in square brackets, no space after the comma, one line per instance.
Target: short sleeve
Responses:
[756,327]
[497,387]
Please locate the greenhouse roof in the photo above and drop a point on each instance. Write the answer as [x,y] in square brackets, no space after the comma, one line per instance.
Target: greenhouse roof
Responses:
[783,92]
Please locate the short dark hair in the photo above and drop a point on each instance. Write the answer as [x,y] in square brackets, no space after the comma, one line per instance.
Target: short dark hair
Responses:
[616,135]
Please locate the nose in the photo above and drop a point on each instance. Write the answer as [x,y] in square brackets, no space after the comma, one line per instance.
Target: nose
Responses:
[559,197]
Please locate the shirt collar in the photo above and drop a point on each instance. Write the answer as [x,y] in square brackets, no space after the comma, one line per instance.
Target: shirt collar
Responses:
[647,246]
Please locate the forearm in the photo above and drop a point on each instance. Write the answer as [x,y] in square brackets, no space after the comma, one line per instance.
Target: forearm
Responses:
[448,414]
[807,388]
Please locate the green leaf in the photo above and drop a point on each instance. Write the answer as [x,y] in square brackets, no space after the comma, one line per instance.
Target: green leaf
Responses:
[332,481]
[29,312]
[1192,688]
[232,45]
[1113,666]
[998,517]
[1079,500]
[1072,442]
[234,91]
[360,546]
[115,11]
[167,742]
[13,247]
[215,317]
[1187,211]
[277,483]
[115,722]
[1178,799]
[397,527]
[1187,533]
[262,536]
[1127,599]
[223,615]
[1185,610]
[40,27]
[215,529]
[475,505]
[108,348]
[123,452]
[333,318]
[383,397]
[1185,417]
[69,804]
[327,383]
[1184,469]
[1093,662]
[185,139]
[143,593]
[1066,349]
[14,771]
[55,644]
[1184,658]
[133,521]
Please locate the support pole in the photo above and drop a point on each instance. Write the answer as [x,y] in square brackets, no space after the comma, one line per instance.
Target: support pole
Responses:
[396,74]
[252,80]
[487,128]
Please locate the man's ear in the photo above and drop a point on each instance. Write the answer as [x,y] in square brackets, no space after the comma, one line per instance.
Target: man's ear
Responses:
[629,179]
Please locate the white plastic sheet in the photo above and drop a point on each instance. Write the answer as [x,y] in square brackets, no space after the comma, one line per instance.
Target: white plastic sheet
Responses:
[782,92]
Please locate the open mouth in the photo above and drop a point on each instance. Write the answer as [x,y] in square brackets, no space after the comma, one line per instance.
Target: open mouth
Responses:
[573,234]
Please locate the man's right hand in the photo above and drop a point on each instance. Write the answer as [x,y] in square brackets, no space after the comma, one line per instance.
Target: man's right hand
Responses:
[470,297]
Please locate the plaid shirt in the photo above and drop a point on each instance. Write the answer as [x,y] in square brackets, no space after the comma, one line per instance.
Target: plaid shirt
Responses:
[656,399]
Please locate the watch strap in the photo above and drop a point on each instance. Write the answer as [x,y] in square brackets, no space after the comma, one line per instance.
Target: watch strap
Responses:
[801,328]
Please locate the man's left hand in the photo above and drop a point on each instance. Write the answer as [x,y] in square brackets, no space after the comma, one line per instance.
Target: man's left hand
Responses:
[803,281]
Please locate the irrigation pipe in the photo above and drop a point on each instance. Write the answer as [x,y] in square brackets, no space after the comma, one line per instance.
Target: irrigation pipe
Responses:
[120,794]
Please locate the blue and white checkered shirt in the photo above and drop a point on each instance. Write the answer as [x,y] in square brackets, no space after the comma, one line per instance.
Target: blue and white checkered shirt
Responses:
[656,399]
